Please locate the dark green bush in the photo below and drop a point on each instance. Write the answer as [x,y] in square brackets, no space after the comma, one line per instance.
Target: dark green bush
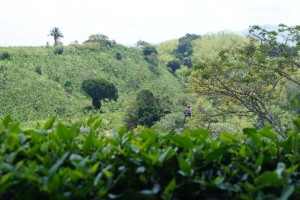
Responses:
[173,65]
[118,56]
[5,56]
[99,89]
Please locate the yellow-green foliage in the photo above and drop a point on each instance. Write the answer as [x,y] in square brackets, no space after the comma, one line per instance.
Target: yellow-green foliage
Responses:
[209,46]
[36,84]
[165,50]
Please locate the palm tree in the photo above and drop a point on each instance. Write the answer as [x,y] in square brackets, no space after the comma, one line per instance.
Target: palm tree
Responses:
[55,32]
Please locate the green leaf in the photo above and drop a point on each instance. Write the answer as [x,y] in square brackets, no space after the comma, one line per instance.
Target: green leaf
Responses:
[49,123]
[165,154]
[182,141]
[268,179]
[259,160]
[97,124]
[216,153]
[297,122]
[185,167]
[252,133]
[286,192]
[100,174]
[5,183]
[91,120]
[11,157]
[246,169]
[93,169]
[56,166]
[287,145]
[244,151]
[88,143]
[201,134]
[266,132]
[122,131]
[167,194]
[63,132]
[227,137]
[6,121]
[229,187]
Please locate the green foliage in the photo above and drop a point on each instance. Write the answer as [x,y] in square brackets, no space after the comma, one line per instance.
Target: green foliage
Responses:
[38,70]
[99,89]
[148,50]
[173,65]
[57,91]
[150,54]
[77,161]
[101,39]
[58,50]
[209,46]
[250,81]
[118,56]
[283,44]
[142,43]
[145,110]
[5,56]
[185,49]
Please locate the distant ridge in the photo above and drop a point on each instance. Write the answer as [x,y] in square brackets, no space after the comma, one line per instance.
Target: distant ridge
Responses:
[245,32]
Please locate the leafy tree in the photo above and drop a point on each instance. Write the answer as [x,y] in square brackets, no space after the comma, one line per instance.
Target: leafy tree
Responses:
[173,65]
[101,39]
[142,43]
[97,38]
[249,77]
[99,89]
[149,50]
[185,49]
[56,34]
[150,55]
[281,48]
[145,110]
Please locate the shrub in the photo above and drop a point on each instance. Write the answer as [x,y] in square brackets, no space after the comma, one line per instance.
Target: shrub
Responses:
[173,65]
[38,70]
[5,56]
[118,56]
[58,50]
[148,50]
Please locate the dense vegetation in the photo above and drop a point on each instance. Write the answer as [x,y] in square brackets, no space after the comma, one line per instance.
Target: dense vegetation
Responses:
[79,161]
[242,141]
[36,83]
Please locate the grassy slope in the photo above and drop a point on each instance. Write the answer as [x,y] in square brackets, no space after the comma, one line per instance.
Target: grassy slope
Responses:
[29,96]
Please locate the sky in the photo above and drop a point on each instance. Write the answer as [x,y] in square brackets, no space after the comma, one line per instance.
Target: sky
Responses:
[28,22]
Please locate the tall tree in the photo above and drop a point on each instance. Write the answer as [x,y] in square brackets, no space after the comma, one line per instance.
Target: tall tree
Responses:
[281,47]
[56,34]
[99,89]
[145,110]
[253,75]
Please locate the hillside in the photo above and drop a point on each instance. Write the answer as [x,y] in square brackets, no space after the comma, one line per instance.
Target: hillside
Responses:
[37,84]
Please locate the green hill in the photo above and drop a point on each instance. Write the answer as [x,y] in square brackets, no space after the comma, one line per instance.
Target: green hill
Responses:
[37,84]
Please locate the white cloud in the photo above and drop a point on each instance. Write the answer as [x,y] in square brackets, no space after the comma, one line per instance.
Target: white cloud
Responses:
[28,22]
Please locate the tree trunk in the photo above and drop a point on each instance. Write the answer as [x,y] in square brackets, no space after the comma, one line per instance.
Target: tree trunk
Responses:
[97,103]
